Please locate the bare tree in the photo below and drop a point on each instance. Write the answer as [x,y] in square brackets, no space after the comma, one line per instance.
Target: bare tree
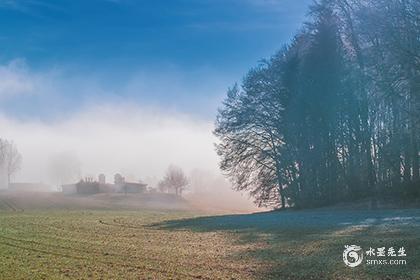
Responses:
[162,186]
[3,143]
[12,159]
[2,161]
[174,179]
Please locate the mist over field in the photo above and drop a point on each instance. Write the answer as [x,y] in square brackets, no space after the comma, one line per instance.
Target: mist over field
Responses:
[137,143]
[107,136]
[112,139]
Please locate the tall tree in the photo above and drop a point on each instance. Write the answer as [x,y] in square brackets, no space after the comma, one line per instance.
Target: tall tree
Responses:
[249,126]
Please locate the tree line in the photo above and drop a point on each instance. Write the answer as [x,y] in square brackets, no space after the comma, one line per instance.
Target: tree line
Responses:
[332,116]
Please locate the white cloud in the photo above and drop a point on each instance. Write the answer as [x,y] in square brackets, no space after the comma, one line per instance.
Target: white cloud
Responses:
[59,91]
[53,112]
[15,79]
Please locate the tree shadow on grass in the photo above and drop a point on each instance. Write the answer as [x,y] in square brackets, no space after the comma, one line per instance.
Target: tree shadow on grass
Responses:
[309,244]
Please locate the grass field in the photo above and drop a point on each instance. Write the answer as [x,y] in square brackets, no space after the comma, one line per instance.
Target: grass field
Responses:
[169,244]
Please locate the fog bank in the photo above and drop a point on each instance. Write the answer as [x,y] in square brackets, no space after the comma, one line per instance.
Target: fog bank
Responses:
[107,139]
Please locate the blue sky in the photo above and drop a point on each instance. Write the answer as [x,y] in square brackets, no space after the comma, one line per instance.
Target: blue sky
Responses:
[128,86]
[178,55]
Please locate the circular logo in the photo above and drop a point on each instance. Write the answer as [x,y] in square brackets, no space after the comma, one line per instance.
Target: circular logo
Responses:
[352,255]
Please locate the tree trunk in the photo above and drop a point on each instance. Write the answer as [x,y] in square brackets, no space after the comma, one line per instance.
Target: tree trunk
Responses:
[283,199]
[414,114]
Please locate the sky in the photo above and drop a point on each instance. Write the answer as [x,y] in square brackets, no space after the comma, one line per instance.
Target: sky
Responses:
[133,84]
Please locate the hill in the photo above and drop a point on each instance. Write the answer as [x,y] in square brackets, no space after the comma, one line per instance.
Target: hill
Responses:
[23,201]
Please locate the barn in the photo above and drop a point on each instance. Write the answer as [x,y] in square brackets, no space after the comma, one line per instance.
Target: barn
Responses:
[89,186]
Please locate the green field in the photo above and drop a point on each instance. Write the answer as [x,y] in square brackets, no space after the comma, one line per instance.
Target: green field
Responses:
[169,244]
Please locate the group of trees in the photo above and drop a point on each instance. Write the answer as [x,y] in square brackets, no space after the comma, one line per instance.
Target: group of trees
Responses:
[334,115]
[10,158]
[173,181]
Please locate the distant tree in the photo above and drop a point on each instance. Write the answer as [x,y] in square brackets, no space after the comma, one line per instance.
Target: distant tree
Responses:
[174,179]
[118,179]
[3,176]
[3,144]
[102,179]
[12,158]
[65,168]
[163,187]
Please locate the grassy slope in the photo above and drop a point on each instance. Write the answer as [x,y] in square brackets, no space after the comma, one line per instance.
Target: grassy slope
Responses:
[111,245]
[151,244]
[309,244]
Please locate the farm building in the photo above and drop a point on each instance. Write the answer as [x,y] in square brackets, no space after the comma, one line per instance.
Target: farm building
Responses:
[89,186]
[84,186]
